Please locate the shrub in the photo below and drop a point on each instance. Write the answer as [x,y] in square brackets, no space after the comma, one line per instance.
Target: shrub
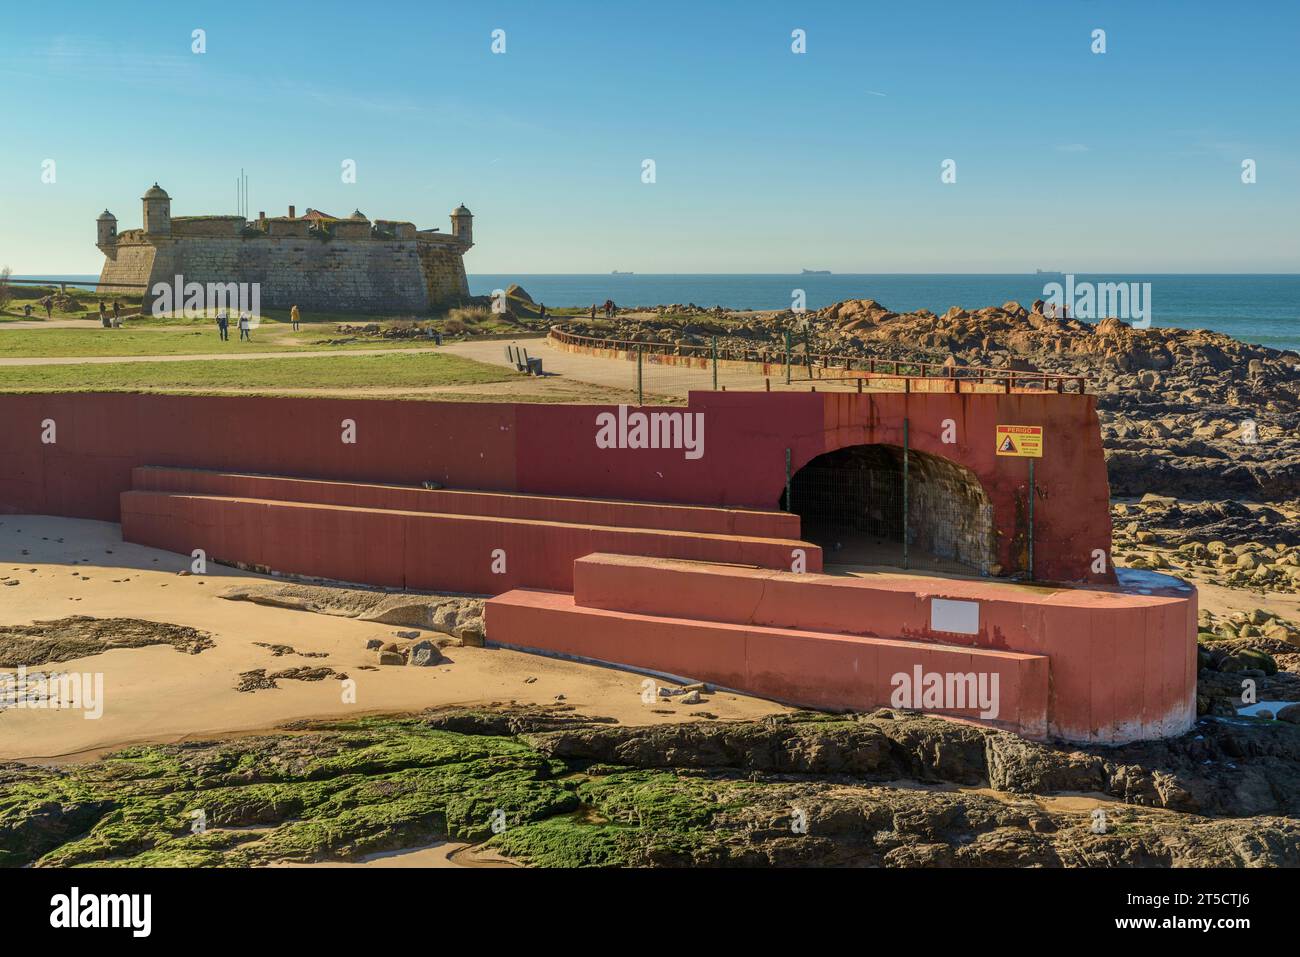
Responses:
[471,315]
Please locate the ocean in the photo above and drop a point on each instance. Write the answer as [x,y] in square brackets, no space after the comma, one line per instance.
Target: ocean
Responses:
[1262,309]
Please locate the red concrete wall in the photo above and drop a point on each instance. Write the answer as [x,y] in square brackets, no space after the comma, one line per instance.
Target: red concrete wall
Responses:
[1123,664]
[420,550]
[806,668]
[583,511]
[551,450]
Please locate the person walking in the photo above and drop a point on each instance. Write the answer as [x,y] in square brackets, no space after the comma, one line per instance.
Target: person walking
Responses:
[223,325]
[593,310]
[48,302]
[245,326]
[541,312]
[117,313]
[293,317]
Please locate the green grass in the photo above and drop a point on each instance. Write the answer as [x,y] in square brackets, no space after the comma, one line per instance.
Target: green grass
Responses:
[201,340]
[87,304]
[335,372]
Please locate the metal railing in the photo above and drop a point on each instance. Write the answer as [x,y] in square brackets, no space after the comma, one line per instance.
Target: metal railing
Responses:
[826,368]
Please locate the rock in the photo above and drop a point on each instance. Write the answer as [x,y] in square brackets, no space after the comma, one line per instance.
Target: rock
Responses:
[471,633]
[391,658]
[690,697]
[425,654]
[1249,659]
[374,644]
[1291,714]
[407,634]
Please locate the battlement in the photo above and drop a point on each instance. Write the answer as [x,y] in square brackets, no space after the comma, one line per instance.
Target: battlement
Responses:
[316,261]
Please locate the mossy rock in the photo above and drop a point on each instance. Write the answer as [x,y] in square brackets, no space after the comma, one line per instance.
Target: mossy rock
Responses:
[1249,659]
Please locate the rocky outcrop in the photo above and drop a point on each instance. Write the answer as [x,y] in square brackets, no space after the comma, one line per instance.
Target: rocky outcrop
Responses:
[451,614]
[550,788]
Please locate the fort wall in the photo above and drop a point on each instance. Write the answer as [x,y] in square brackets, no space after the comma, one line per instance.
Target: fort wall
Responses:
[317,263]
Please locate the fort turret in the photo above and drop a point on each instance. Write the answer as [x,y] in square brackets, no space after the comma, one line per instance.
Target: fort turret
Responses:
[462,225]
[106,233]
[157,211]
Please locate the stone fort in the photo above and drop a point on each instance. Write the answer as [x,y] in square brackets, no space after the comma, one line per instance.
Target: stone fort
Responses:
[315,261]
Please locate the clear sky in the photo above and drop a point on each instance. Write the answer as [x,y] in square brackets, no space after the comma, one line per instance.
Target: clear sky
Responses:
[765,160]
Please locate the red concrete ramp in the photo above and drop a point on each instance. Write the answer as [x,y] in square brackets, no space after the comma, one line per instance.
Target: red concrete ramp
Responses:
[485,548]
[583,511]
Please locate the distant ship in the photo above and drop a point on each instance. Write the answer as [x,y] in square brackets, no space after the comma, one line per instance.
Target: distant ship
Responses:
[617,273]
[815,272]
[1048,272]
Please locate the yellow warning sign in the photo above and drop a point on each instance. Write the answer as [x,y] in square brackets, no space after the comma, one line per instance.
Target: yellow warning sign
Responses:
[1022,440]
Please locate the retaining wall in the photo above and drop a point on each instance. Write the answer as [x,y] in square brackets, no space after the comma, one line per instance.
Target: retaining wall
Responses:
[551,450]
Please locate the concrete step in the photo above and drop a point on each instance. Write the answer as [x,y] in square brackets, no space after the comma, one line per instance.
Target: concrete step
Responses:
[796,666]
[1123,662]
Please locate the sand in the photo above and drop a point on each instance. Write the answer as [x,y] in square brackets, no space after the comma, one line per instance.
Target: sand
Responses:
[440,854]
[157,694]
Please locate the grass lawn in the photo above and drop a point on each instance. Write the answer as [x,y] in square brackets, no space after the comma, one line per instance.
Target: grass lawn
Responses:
[200,340]
[83,305]
[333,372]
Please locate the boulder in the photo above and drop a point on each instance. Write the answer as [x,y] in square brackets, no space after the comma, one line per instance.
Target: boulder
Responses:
[425,654]
[1290,714]
[471,633]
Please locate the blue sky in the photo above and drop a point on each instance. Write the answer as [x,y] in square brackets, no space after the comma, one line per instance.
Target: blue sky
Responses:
[766,160]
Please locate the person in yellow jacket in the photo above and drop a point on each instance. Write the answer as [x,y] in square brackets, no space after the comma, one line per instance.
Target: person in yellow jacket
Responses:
[293,317]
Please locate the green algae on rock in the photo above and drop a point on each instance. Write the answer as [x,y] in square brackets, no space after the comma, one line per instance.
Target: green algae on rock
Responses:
[551,788]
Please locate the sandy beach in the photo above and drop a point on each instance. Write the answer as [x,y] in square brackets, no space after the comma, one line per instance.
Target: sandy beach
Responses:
[72,567]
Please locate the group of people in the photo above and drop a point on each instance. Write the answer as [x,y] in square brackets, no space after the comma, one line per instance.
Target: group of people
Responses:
[115,322]
[245,323]
[611,310]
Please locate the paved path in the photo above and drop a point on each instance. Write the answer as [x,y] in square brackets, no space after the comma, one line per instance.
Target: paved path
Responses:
[286,354]
[659,380]
[51,324]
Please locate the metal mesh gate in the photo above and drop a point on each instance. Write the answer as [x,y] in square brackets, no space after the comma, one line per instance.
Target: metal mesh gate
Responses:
[851,502]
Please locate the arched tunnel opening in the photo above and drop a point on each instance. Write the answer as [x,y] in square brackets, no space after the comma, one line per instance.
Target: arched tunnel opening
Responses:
[851,503]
